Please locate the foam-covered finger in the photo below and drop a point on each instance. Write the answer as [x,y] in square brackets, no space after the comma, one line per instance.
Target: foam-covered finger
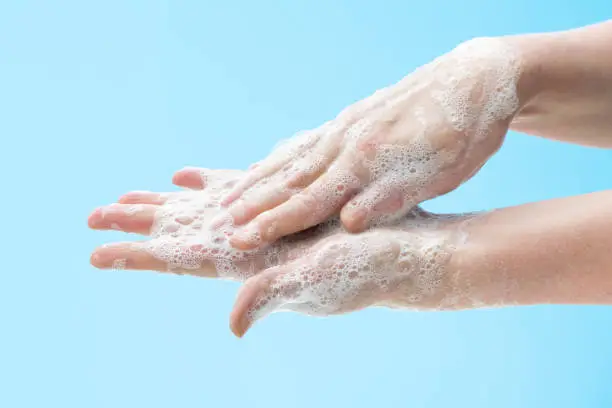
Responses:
[198,178]
[372,205]
[306,170]
[264,199]
[262,295]
[136,218]
[126,255]
[262,170]
[146,256]
[308,208]
[288,181]
[143,197]
[282,155]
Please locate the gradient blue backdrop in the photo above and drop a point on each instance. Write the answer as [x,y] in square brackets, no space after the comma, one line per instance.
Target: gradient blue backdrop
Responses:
[101,97]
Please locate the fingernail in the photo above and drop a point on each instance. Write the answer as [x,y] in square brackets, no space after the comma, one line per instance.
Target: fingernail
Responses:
[95,259]
[240,328]
[245,325]
[94,217]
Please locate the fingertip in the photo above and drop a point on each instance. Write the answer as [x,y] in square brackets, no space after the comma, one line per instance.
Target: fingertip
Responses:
[240,213]
[235,327]
[177,178]
[239,317]
[101,257]
[94,219]
[369,207]
[189,177]
[229,198]
[354,219]
[143,197]
[124,199]
[94,260]
[241,244]
[238,326]
[236,192]
[135,197]
[245,240]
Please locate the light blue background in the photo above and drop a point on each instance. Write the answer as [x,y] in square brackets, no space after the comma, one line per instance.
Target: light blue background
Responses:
[101,97]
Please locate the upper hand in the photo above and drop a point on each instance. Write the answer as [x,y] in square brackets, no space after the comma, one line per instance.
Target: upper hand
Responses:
[407,143]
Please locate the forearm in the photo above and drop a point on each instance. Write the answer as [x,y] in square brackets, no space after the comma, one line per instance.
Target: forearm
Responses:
[566,85]
[550,252]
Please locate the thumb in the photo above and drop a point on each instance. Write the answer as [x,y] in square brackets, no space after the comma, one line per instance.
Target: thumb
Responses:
[373,205]
[265,293]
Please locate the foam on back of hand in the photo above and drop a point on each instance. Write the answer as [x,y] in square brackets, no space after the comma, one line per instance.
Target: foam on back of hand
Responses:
[409,142]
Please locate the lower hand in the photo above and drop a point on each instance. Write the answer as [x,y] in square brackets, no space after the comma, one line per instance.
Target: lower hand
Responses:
[322,271]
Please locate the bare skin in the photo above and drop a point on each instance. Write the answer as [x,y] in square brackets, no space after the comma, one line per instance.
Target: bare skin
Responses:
[550,252]
[569,78]
[563,92]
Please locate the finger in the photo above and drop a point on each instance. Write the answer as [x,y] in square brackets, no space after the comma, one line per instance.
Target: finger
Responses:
[263,170]
[197,178]
[292,178]
[311,166]
[126,255]
[244,210]
[264,294]
[189,178]
[273,163]
[141,256]
[137,218]
[310,207]
[143,197]
[373,205]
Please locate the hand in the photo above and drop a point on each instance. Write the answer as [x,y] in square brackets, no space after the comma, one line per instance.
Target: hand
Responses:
[179,227]
[322,271]
[348,272]
[413,141]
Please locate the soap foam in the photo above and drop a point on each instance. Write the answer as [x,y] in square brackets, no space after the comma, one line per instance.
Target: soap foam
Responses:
[329,270]
[416,139]
[405,141]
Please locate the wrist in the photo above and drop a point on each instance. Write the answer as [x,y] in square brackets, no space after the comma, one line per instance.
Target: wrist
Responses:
[565,80]
[459,264]
[433,266]
[531,51]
